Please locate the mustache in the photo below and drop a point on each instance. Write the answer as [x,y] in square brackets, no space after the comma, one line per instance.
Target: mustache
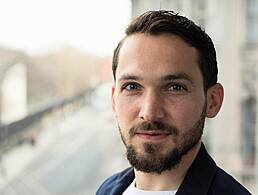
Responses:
[153,126]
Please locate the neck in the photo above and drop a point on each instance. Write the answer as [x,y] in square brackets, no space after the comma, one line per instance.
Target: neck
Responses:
[170,179]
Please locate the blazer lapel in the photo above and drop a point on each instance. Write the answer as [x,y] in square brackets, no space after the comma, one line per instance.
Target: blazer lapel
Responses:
[199,176]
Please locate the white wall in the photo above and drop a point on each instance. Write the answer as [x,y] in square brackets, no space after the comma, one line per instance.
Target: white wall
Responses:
[14,94]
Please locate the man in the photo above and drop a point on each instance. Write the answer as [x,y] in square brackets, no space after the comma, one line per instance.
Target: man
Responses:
[165,85]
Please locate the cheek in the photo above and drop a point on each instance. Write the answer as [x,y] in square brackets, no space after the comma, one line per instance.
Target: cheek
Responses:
[125,113]
[187,113]
[125,106]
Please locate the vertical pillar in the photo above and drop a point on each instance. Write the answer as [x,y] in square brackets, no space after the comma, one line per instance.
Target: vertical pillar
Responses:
[256,140]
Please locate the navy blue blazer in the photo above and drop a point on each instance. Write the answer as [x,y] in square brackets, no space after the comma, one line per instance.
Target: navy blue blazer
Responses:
[204,177]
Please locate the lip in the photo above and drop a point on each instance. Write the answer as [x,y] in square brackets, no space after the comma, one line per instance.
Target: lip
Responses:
[152,136]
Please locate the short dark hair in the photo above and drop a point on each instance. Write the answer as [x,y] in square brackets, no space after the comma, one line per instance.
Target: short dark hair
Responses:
[163,21]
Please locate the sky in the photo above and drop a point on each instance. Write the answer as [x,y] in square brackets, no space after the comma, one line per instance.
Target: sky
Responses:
[40,26]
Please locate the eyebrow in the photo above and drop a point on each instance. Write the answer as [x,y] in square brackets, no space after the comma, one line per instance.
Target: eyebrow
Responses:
[129,77]
[177,76]
[170,77]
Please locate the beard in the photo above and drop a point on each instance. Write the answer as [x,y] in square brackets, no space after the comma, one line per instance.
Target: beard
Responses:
[152,161]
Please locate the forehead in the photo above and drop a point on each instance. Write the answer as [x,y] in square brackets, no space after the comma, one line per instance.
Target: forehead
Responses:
[155,56]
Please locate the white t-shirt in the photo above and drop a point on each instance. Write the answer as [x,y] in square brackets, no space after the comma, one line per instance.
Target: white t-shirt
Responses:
[132,190]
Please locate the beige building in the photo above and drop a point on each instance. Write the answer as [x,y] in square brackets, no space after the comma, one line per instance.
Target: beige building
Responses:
[28,83]
[233,26]
[60,74]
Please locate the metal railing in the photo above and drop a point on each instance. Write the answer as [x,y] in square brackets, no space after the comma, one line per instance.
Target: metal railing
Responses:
[27,129]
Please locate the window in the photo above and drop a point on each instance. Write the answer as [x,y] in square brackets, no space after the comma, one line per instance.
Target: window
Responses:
[199,12]
[248,130]
[252,21]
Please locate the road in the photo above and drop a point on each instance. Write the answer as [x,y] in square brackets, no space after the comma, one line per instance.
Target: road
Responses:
[71,158]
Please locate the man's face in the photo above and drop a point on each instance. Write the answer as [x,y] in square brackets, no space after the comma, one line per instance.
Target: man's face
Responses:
[158,100]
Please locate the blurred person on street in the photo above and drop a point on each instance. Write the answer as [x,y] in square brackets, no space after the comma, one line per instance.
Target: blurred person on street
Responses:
[165,85]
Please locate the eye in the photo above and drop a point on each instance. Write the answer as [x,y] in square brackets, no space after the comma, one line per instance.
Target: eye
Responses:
[176,87]
[130,86]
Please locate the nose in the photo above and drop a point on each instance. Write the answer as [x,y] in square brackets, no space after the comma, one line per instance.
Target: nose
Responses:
[152,107]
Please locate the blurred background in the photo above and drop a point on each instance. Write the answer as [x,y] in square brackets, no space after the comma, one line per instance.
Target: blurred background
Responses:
[57,132]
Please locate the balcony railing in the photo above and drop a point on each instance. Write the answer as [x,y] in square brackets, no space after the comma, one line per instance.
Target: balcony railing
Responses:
[28,128]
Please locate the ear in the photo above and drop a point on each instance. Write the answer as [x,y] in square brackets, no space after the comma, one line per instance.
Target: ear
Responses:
[113,98]
[215,95]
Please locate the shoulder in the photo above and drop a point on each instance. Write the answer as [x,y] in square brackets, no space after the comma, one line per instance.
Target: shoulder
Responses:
[117,183]
[225,183]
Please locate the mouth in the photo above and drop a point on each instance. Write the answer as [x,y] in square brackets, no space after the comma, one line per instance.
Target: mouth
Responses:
[152,136]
